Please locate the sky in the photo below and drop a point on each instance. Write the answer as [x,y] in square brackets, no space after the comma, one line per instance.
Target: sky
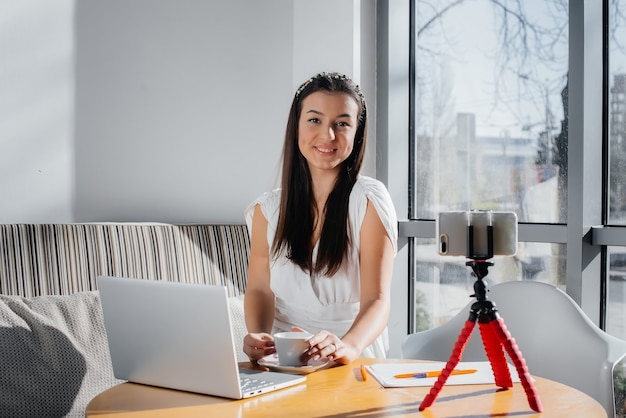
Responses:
[468,38]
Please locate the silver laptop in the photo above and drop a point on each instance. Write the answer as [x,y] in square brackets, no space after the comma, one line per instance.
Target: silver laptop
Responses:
[178,336]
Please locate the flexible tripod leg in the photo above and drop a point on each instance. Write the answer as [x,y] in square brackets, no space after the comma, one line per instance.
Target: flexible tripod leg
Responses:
[454,359]
[504,336]
[495,355]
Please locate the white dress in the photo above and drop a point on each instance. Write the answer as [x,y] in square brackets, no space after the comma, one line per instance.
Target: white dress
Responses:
[315,303]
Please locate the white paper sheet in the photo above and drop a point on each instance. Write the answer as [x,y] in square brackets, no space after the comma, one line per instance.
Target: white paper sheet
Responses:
[384,373]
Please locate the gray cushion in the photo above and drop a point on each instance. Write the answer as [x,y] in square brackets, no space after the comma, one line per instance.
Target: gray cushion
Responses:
[54,355]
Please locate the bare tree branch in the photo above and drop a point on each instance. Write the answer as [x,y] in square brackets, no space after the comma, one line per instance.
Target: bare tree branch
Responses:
[617,20]
[438,15]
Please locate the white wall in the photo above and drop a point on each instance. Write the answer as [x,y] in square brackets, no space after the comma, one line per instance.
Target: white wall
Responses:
[158,110]
[36,110]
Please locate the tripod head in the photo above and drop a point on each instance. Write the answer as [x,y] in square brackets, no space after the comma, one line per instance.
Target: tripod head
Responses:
[479,267]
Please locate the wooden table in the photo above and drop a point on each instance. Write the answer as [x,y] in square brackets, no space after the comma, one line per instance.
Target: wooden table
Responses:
[341,392]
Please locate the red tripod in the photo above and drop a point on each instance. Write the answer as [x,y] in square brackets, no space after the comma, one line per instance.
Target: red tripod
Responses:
[496,338]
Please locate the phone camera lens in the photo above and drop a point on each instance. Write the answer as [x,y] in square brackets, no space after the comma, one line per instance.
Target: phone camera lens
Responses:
[443,244]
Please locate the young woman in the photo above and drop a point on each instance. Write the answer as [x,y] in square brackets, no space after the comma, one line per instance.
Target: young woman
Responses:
[322,246]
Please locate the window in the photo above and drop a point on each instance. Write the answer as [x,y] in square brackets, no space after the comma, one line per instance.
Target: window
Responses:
[517,106]
[491,133]
[535,127]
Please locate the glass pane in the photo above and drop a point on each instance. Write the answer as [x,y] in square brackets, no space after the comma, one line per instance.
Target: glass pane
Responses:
[617,112]
[444,284]
[491,121]
[616,292]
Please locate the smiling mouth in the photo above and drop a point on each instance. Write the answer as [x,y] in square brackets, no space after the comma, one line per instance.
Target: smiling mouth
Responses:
[325,150]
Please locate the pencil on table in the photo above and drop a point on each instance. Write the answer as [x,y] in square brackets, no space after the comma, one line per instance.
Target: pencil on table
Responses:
[363,372]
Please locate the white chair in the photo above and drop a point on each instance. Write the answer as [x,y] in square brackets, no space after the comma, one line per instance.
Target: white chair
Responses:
[556,338]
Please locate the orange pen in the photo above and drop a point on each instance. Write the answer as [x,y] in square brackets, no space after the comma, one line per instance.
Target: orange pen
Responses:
[434,373]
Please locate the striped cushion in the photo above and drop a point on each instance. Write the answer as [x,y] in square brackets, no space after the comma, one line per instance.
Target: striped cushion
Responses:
[62,259]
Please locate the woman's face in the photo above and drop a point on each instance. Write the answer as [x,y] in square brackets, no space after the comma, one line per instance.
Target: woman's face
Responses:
[327,126]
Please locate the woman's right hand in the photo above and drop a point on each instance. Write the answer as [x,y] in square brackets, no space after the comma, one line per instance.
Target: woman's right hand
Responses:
[258,345]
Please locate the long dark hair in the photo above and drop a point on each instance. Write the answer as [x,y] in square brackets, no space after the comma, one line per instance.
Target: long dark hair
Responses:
[297,205]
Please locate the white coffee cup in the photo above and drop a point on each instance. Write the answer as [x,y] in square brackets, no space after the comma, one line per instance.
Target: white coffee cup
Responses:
[290,346]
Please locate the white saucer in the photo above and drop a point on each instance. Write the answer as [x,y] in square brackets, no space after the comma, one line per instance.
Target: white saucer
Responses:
[271,362]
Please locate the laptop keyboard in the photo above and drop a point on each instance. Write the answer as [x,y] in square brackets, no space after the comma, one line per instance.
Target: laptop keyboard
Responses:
[249,384]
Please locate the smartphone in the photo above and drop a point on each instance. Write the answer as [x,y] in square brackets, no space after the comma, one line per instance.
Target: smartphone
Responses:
[453,233]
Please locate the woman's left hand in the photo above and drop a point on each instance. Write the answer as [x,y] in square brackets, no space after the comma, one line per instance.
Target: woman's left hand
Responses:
[328,345]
